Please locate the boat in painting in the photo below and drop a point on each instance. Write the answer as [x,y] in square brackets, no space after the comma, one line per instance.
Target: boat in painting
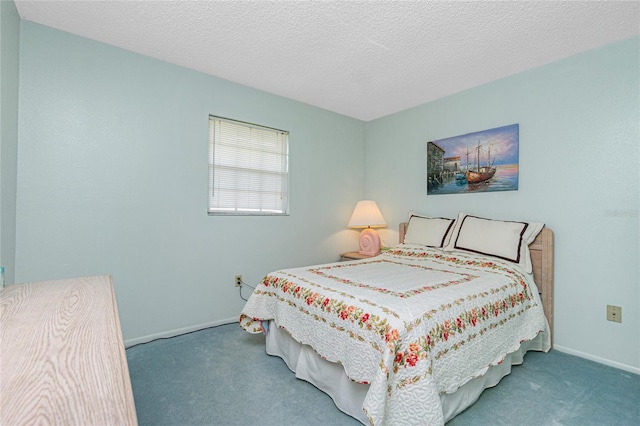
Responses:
[481,173]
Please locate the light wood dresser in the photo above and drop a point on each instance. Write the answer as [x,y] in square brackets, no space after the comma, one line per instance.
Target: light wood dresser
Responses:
[62,358]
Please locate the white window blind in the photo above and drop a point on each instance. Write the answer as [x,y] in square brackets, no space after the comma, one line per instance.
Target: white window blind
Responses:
[248,169]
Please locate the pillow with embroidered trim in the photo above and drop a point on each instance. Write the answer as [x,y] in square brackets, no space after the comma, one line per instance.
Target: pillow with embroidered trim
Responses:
[428,231]
[508,240]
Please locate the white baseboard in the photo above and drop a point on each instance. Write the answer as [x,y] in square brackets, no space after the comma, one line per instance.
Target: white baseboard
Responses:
[177,332]
[604,361]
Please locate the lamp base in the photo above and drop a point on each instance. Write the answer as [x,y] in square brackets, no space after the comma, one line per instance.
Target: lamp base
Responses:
[369,242]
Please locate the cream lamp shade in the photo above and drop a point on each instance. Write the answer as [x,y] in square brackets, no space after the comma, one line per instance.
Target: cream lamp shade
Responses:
[367,215]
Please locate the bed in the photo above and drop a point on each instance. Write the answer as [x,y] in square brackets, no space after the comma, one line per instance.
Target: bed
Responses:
[414,335]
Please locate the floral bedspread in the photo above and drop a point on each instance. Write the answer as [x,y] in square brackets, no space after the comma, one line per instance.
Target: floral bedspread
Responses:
[413,322]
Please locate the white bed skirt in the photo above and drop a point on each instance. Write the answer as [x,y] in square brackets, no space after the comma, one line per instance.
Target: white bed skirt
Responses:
[348,395]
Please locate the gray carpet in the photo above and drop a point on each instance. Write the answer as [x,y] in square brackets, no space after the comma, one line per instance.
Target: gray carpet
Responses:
[222,376]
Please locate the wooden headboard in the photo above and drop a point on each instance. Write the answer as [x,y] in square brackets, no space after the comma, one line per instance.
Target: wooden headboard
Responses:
[542,260]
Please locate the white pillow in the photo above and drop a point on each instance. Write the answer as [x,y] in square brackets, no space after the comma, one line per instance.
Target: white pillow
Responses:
[429,231]
[507,240]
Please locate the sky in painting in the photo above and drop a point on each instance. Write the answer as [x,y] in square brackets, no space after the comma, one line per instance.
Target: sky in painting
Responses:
[503,142]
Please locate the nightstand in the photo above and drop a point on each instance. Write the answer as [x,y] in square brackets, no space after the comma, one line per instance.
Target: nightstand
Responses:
[353,255]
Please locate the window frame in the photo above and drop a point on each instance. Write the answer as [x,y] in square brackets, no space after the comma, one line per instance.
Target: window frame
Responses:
[284,171]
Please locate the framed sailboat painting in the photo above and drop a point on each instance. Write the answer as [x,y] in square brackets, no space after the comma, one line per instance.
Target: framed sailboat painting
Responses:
[484,161]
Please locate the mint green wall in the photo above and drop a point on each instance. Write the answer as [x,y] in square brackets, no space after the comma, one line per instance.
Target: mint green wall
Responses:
[112,179]
[9,59]
[579,173]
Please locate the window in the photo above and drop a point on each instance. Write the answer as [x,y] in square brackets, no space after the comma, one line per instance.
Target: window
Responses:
[248,169]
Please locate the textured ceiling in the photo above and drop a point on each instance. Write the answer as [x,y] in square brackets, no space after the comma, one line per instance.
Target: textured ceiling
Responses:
[363,59]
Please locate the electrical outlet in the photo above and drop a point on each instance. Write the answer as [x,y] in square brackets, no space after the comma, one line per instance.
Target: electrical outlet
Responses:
[238,280]
[614,313]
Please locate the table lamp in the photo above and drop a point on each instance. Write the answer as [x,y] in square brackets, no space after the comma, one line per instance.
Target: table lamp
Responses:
[367,215]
